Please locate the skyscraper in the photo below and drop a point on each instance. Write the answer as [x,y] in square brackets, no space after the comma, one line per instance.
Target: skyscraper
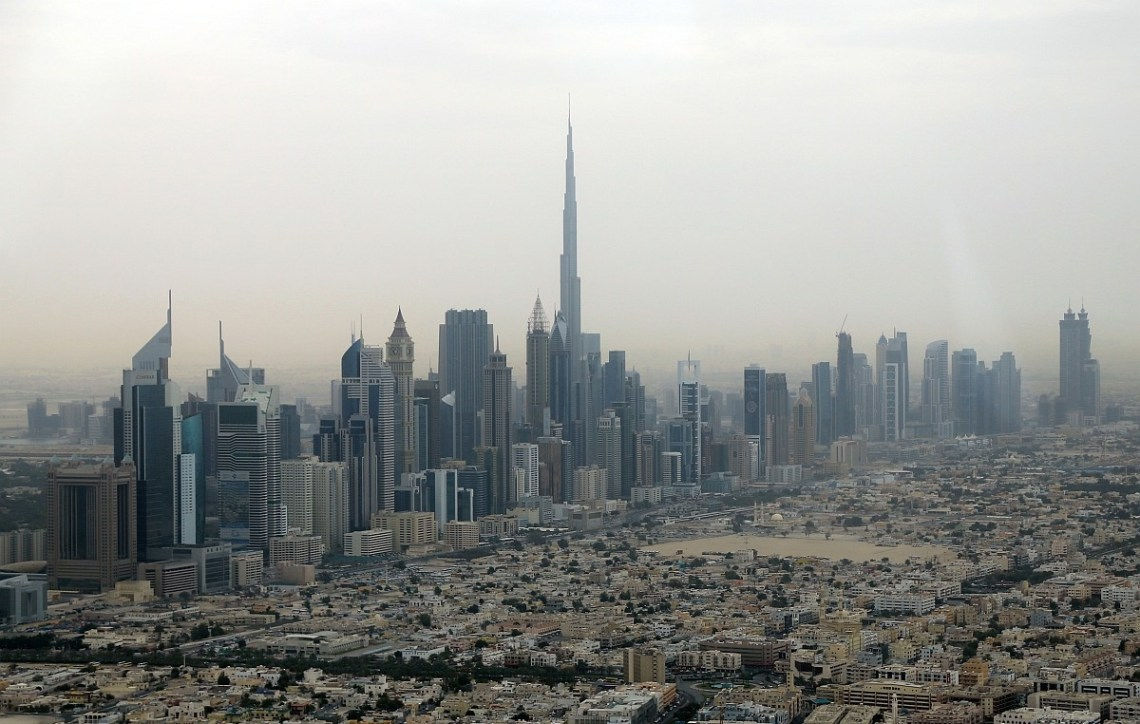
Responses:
[524,471]
[148,434]
[776,425]
[561,387]
[964,368]
[400,354]
[465,344]
[249,453]
[823,403]
[846,393]
[571,285]
[689,408]
[429,430]
[608,452]
[497,424]
[222,383]
[537,372]
[754,415]
[1080,381]
[368,411]
[613,376]
[893,351]
[802,432]
[936,408]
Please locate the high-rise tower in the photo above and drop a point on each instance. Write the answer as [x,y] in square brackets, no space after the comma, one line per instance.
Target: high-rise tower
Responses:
[1080,373]
[148,434]
[936,407]
[465,345]
[571,285]
[400,354]
[497,424]
[537,372]
[845,388]
[368,409]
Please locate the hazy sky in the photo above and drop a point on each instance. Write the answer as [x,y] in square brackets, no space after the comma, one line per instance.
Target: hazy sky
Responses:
[748,173]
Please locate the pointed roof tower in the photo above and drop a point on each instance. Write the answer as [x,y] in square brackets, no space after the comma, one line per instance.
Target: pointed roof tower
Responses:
[537,321]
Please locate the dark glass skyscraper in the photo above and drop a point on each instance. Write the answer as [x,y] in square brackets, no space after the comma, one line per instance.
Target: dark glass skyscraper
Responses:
[466,340]
[823,403]
[148,434]
[1079,372]
[368,422]
[846,392]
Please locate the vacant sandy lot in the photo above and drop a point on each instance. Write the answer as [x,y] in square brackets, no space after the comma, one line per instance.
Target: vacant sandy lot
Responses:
[835,549]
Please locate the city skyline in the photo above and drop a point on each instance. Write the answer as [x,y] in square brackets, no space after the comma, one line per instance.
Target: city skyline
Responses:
[786,193]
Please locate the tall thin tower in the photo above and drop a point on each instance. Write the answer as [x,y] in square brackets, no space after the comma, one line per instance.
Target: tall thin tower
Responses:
[571,286]
[400,355]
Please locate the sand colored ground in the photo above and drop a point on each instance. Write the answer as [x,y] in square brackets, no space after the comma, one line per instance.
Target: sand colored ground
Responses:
[837,548]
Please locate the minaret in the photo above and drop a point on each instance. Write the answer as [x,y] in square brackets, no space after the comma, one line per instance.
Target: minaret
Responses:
[401,356]
[571,285]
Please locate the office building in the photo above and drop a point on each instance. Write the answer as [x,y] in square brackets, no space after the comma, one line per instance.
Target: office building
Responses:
[1079,383]
[465,346]
[408,528]
[537,372]
[892,351]
[91,519]
[212,563]
[190,504]
[295,548]
[371,542]
[368,423]
[555,468]
[525,471]
[893,401]
[223,383]
[400,354]
[937,411]
[23,597]
[1007,394]
[248,569]
[802,434]
[679,439]
[964,368]
[297,492]
[590,483]
[643,665]
[754,415]
[330,503]
[608,452]
[561,374]
[148,432]
[497,424]
[846,390]
[460,535]
[777,408]
[429,428]
[249,457]
[824,403]
[689,408]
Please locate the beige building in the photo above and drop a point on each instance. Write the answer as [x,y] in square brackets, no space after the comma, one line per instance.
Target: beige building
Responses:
[247,569]
[408,529]
[91,526]
[643,665]
[461,534]
[373,542]
[296,549]
[589,484]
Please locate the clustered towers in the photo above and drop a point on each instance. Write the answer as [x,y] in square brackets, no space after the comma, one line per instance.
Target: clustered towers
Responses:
[585,429]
